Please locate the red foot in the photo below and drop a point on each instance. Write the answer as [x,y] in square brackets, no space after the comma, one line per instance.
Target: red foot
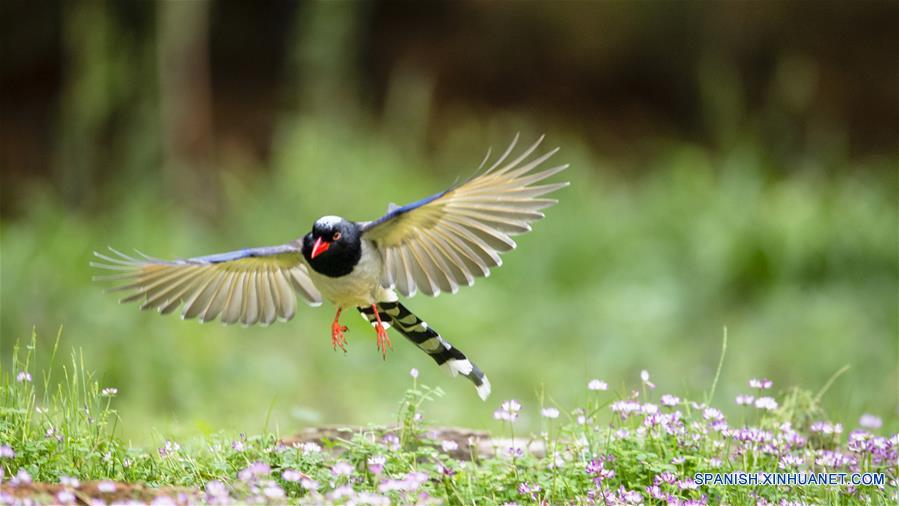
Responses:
[337,331]
[383,340]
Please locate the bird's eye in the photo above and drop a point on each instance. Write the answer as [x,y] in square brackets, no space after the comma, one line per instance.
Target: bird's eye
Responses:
[336,236]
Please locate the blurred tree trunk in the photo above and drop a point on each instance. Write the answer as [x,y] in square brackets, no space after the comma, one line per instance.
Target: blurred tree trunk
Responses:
[326,57]
[93,88]
[185,103]
[107,112]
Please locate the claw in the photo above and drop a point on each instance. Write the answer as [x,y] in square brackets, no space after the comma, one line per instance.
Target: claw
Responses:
[383,340]
[337,330]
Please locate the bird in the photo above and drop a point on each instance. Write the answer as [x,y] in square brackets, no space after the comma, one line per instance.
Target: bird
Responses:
[434,245]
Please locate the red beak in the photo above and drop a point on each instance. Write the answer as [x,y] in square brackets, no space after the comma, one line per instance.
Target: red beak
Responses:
[319,247]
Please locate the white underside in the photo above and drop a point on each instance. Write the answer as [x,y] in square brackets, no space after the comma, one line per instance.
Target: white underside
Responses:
[362,287]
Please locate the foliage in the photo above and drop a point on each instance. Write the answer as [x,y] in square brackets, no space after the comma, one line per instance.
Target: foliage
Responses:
[622,275]
[630,447]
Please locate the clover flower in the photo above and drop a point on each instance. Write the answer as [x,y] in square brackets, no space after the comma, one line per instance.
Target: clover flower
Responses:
[109,392]
[409,483]
[376,464]
[449,446]
[216,492]
[253,471]
[551,413]
[790,461]
[273,491]
[414,373]
[310,447]
[292,475]
[644,377]
[68,481]
[870,421]
[342,469]
[597,385]
[391,441]
[65,497]
[6,452]
[625,408]
[669,400]
[169,448]
[309,484]
[766,403]
[744,400]
[526,488]
[826,428]
[22,477]
[761,384]
[23,376]
[713,414]
[106,487]
[508,411]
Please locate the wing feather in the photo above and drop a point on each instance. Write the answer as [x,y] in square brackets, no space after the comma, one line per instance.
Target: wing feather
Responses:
[446,240]
[247,286]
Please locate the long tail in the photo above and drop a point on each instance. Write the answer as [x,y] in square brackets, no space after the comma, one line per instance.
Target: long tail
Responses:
[429,341]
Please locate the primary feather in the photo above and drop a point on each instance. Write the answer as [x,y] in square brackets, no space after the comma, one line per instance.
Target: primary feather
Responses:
[445,241]
[256,285]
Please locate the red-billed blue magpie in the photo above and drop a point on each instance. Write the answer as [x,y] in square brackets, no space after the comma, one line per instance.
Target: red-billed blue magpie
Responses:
[434,245]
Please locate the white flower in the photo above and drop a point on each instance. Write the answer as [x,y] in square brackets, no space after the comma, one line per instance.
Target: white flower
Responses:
[109,391]
[761,384]
[551,413]
[413,372]
[106,486]
[669,400]
[292,475]
[644,376]
[310,448]
[273,491]
[766,403]
[65,497]
[449,446]
[23,376]
[743,400]
[342,469]
[68,481]
[596,384]
[870,421]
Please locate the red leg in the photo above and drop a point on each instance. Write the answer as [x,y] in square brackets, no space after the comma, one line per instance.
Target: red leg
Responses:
[383,340]
[337,331]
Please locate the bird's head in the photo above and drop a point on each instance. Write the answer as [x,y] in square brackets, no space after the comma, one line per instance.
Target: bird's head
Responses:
[333,246]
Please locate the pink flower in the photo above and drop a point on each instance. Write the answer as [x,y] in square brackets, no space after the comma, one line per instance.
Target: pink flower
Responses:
[761,384]
[292,475]
[870,421]
[106,486]
[342,469]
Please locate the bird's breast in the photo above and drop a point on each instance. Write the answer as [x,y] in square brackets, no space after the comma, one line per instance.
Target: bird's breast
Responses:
[358,288]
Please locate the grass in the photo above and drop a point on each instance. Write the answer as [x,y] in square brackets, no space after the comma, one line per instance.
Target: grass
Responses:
[635,445]
[638,267]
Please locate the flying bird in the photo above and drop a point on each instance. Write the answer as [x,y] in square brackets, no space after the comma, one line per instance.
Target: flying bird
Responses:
[434,245]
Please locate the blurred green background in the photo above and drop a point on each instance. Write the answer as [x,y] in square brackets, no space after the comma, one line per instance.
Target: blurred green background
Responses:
[731,165]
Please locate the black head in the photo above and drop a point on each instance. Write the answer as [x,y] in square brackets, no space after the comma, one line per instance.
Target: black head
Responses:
[333,247]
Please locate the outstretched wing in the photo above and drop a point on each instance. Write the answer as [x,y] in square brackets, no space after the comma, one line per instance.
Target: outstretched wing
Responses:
[446,240]
[256,285]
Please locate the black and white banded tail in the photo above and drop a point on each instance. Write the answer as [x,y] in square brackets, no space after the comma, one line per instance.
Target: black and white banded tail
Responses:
[394,314]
